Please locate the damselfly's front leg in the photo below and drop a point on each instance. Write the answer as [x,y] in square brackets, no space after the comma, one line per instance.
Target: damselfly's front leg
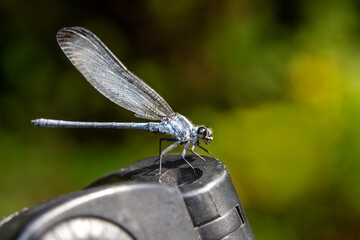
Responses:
[205,149]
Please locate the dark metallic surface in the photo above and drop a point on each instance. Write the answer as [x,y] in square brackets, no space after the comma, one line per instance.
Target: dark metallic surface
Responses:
[141,210]
[136,203]
[210,197]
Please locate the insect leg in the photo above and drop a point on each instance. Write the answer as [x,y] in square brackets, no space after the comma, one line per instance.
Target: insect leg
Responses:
[205,149]
[165,139]
[192,150]
[184,152]
[169,148]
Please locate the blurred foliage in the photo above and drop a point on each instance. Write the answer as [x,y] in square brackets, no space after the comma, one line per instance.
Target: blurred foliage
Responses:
[278,81]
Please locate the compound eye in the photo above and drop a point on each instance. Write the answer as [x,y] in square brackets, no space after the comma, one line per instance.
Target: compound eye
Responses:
[201,132]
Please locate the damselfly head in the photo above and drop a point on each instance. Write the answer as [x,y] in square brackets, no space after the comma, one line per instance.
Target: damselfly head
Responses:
[205,133]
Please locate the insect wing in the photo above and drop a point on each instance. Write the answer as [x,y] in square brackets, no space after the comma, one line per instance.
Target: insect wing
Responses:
[109,76]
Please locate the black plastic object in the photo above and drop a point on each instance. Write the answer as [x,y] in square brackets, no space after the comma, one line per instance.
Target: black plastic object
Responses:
[136,203]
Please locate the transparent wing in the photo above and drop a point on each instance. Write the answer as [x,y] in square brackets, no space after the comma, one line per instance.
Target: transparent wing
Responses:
[109,76]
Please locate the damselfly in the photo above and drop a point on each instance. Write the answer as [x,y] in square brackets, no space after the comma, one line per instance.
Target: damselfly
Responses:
[110,77]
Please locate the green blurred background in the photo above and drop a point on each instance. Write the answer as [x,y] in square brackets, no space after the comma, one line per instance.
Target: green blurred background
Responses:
[278,81]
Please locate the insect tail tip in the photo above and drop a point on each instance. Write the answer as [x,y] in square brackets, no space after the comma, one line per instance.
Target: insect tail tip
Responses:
[35,122]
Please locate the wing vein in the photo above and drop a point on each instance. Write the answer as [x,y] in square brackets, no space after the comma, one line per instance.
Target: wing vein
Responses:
[109,76]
